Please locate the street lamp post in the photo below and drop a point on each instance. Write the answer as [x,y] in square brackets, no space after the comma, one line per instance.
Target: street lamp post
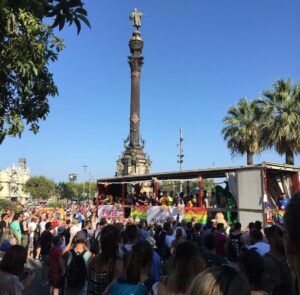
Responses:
[84,169]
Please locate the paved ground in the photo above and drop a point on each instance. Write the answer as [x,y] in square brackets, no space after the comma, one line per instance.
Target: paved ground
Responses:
[36,287]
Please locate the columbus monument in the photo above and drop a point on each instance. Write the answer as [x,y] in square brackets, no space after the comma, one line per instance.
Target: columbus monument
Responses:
[134,160]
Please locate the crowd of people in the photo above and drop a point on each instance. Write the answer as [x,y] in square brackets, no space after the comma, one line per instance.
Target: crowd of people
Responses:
[82,253]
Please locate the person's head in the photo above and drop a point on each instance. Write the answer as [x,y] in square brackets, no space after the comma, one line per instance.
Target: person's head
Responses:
[48,226]
[57,240]
[17,217]
[255,236]
[132,233]
[179,233]
[209,224]
[219,280]
[187,264]
[237,226]
[274,235]
[258,224]
[197,227]
[292,226]
[282,195]
[210,242]
[220,227]
[139,262]
[251,226]
[167,227]
[109,245]
[252,266]
[14,260]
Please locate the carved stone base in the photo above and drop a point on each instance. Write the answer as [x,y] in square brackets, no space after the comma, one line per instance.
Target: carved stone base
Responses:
[133,162]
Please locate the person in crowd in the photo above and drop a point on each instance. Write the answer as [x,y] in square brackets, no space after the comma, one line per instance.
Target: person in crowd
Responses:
[56,266]
[178,240]
[77,256]
[24,229]
[15,279]
[76,227]
[32,226]
[46,243]
[16,228]
[156,261]
[143,233]
[252,266]
[187,264]
[137,279]
[257,243]
[234,243]
[3,224]
[210,256]
[219,280]
[197,237]
[220,239]
[106,266]
[277,278]
[283,201]
[132,235]
[292,239]
[245,238]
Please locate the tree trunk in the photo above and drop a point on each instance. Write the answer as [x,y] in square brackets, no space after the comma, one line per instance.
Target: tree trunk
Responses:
[249,158]
[289,157]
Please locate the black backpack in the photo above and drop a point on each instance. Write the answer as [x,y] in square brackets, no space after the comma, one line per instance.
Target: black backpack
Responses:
[76,272]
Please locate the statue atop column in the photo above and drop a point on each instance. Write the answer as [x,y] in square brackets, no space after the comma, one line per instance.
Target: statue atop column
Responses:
[136,17]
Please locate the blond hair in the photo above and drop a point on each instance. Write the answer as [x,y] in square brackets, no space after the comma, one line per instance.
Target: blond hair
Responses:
[221,280]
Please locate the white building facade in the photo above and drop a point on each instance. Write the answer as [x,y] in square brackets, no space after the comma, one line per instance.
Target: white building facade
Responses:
[12,181]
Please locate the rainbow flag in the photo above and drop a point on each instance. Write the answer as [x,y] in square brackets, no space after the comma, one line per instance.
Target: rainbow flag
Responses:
[139,212]
[199,213]
[280,215]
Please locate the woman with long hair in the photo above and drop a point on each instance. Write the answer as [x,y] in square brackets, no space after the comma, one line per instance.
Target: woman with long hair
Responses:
[106,266]
[14,278]
[138,268]
[187,264]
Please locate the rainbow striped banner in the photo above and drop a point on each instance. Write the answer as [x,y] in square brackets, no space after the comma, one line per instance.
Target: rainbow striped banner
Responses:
[199,213]
[139,212]
[280,215]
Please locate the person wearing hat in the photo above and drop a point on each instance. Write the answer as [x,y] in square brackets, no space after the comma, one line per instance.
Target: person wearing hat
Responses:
[155,260]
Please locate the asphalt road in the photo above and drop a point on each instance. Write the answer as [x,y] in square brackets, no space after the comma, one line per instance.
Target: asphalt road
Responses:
[37,288]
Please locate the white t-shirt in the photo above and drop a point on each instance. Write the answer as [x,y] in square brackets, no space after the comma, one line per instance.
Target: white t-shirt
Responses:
[42,226]
[75,229]
[32,227]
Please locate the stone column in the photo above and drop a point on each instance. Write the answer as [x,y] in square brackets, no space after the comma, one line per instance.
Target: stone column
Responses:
[136,62]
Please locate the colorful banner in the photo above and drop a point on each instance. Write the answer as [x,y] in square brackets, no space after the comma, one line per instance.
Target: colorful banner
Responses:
[280,215]
[194,212]
[159,214]
[110,212]
[139,212]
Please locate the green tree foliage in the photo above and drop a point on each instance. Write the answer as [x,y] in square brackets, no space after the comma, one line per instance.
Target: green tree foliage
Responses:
[40,187]
[169,185]
[241,130]
[279,118]
[71,190]
[27,46]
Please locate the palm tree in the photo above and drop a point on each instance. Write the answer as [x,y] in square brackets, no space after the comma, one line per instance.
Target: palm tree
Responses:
[279,117]
[240,129]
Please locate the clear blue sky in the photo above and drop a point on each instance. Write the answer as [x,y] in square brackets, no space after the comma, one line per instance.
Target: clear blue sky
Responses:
[201,57]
